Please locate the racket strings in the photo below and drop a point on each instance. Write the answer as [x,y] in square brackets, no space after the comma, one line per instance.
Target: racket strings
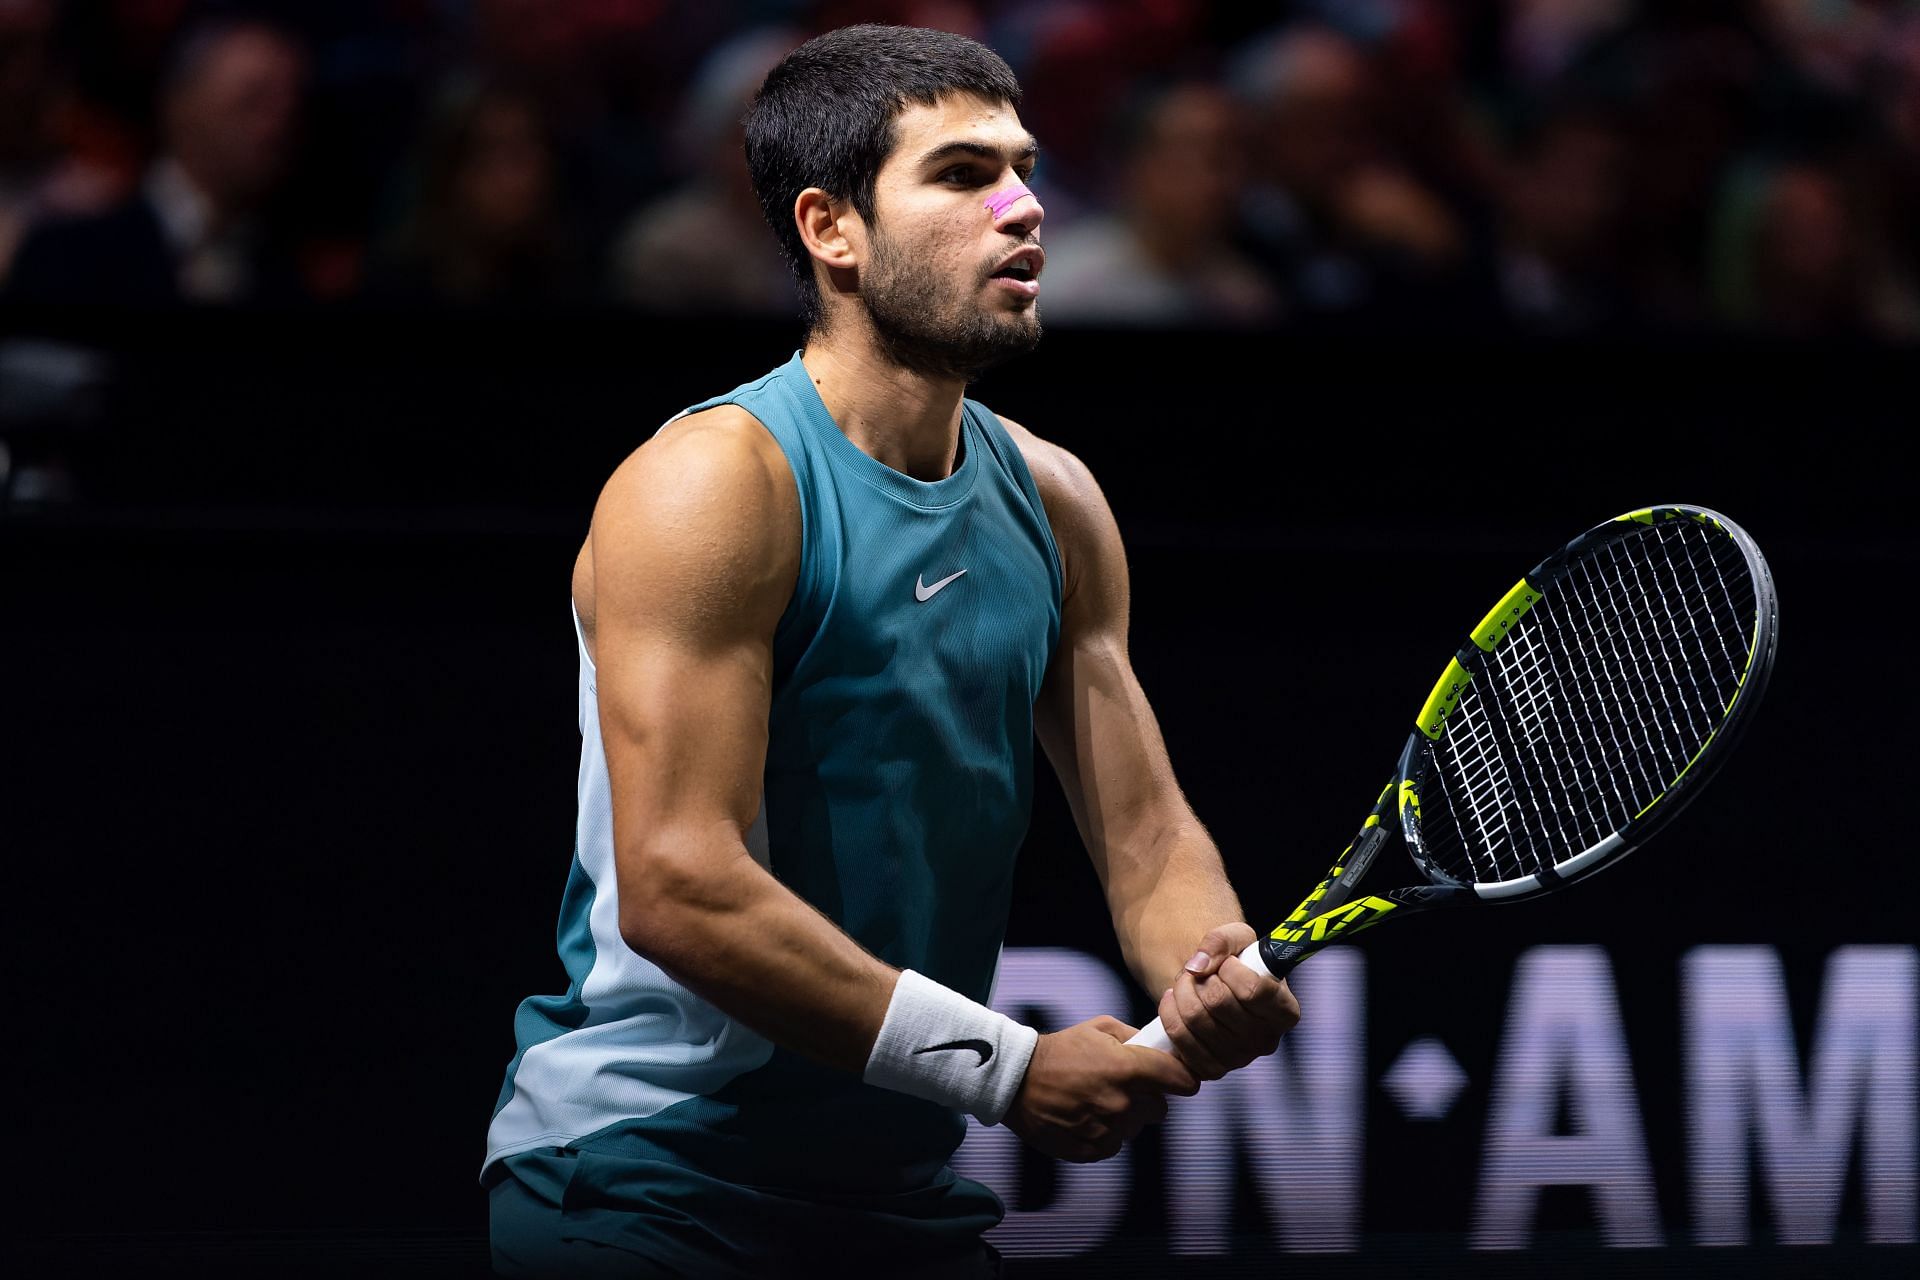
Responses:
[1597,700]
[1695,693]
[1594,704]
[1531,698]
[1638,671]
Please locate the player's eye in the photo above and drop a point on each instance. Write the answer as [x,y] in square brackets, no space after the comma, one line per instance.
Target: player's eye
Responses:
[961,176]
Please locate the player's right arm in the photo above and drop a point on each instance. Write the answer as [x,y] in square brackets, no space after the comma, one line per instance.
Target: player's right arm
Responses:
[694,555]
[695,550]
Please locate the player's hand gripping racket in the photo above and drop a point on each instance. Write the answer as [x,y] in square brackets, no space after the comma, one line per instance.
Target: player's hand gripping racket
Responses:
[1591,703]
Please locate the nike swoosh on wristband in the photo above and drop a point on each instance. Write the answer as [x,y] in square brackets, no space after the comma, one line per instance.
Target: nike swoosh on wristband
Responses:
[980,1047]
[923,593]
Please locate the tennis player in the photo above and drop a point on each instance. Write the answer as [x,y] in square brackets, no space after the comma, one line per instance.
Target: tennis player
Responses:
[821,619]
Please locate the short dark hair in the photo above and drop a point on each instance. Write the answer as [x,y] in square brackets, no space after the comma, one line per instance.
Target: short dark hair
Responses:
[825,118]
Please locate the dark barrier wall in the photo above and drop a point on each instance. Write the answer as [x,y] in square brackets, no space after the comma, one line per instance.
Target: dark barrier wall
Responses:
[288,752]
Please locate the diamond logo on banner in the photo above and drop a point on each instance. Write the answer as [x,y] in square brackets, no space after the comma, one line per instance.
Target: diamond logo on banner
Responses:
[1424,1080]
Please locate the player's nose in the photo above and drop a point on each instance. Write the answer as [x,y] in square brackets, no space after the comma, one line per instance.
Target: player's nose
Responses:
[1015,210]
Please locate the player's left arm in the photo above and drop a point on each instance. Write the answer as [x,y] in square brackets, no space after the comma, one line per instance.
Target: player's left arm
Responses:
[1180,925]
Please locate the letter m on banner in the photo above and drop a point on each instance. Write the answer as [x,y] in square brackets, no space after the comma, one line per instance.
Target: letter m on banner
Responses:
[1746,1096]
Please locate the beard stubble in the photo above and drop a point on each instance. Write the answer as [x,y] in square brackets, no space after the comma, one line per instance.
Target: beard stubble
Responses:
[925,325]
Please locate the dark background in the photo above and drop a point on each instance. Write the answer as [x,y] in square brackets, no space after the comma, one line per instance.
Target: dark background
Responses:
[1356,308]
[287,744]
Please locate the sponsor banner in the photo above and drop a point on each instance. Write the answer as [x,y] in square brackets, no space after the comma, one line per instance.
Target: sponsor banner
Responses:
[1794,1097]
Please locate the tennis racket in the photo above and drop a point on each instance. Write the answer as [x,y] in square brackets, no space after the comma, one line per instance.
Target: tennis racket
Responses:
[1590,704]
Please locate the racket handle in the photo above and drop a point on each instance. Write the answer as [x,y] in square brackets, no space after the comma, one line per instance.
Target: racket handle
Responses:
[1154,1036]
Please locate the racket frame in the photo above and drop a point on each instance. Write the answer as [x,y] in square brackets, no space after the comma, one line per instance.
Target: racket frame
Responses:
[1335,910]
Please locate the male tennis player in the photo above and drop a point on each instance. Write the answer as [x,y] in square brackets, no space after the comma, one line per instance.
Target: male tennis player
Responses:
[820,620]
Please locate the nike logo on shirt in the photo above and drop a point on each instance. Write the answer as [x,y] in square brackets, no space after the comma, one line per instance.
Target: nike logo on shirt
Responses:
[980,1047]
[923,593]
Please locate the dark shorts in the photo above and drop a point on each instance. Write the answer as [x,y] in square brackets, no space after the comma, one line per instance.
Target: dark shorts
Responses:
[561,1212]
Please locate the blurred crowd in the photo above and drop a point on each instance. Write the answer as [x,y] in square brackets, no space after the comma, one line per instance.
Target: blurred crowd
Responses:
[1558,166]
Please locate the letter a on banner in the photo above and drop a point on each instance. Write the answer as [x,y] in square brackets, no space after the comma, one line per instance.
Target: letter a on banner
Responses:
[1563,1038]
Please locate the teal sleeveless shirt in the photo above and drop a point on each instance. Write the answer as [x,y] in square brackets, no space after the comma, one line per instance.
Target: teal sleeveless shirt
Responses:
[898,786]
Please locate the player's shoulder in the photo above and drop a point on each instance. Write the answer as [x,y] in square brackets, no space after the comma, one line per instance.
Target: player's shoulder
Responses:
[698,529]
[719,457]
[1083,527]
[707,483]
[1066,485]
[719,445]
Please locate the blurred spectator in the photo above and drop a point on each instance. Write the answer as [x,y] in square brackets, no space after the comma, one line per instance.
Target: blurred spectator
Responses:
[1166,256]
[707,245]
[1557,266]
[39,178]
[1080,63]
[1791,254]
[197,230]
[609,76]
[1831,42]
[1695,76]
[1895,188]
[1332,214]
[1546,37]
[1564,164]
[486,225]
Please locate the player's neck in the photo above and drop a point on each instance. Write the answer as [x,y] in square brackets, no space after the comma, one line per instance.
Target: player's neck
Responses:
[902,419]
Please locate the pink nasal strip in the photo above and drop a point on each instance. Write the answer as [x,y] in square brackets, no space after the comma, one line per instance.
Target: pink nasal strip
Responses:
[1001,202]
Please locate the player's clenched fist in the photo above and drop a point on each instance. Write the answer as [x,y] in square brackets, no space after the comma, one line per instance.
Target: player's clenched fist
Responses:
[1087,1091]
[1220,1014]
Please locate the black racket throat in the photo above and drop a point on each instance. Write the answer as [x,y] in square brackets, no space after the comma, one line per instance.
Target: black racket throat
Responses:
[1337,908]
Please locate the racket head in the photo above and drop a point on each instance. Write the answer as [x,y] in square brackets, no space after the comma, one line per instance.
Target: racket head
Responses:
[1590,705]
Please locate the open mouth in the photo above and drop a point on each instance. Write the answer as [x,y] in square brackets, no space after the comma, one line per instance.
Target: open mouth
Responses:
[1021,272]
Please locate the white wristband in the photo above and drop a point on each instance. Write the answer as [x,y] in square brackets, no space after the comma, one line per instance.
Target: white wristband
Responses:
[938,1045]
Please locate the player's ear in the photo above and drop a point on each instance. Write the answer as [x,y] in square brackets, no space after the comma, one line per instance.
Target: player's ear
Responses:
[827,228]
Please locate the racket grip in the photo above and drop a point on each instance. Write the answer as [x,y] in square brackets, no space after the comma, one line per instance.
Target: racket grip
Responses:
[1154,1036]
